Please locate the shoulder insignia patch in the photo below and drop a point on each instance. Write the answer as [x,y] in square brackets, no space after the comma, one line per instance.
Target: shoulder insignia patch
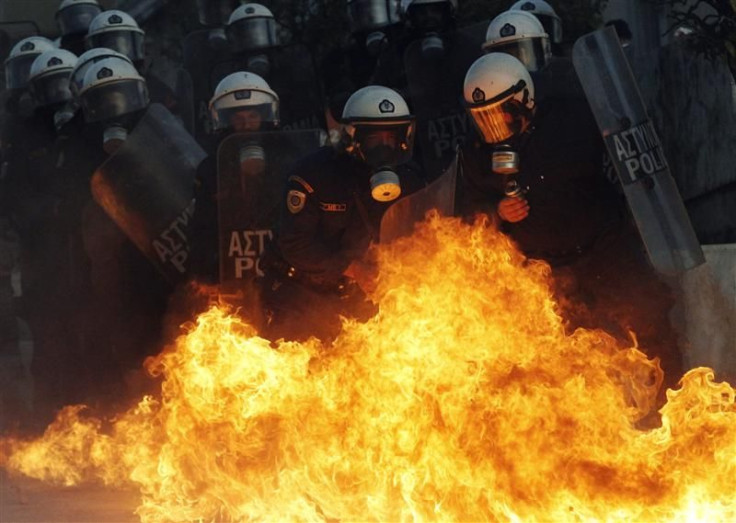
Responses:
[295,201]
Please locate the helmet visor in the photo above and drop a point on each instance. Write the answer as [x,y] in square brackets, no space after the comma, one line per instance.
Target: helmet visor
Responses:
[51,89]
[366,15]
[552,26]
[114,99]
[129,43]
[17,71]
[252,33]
[76,19]
[534,53]
[385,145]
[247,117]
[497,122]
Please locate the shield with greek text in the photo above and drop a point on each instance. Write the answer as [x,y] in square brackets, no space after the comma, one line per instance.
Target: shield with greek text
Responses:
[636,152]
[252,169]
[146,187]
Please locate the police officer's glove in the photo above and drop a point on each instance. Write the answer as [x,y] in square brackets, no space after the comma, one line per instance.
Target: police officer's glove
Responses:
[513,209]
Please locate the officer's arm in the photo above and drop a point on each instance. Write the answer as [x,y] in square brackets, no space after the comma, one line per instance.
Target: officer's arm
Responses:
[299,239]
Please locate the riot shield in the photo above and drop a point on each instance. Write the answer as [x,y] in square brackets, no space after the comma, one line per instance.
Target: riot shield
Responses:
[291,72]
[435,91]
[251,175]
[400,218]
[636,152]
[146,187]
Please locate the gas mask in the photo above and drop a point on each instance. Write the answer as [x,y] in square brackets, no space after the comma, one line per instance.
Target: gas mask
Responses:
[252,159]
[259,64]
[384,181]
[64,115]
[113,137]
[505,162]
[433,48]
[385,184]
[374,42]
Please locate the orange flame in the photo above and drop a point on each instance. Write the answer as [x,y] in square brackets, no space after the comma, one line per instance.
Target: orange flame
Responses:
[462,400]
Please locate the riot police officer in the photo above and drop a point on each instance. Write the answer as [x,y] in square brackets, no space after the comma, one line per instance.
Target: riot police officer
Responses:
[117,30]
[128,293]
[548,17]
[522,35]
[73,18]
[375,28]
[331,211]
[538,171]
[242,102]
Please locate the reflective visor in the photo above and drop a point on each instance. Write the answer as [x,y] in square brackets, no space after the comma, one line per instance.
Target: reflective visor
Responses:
[129,43]
[76,19]
[552,26]
[51,88]
[266,115]
[497,122]
[17,70]
[387,144]
[534,53]
[252,33]
[114,99]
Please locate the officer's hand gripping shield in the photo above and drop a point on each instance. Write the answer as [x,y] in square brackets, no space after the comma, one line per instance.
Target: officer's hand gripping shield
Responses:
[636,153]
[252,169]
[146,187]
[400,218]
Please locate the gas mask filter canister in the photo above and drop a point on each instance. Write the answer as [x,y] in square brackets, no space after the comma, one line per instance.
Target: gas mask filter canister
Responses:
[385,185]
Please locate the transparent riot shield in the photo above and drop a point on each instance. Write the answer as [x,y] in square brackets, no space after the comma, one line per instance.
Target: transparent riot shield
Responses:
[400,218]
[291,72]
[636,152]
[252,169]
[146,187]
[435,90]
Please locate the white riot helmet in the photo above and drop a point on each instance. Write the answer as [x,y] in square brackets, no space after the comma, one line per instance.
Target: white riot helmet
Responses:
[48,80]
[251,27]
[74,16]
[521,35]
[241,91]
[379,129]
[111,89]
[21,56]
[546,14]
[499,96]
[86,60]
[371,17]
[116,30]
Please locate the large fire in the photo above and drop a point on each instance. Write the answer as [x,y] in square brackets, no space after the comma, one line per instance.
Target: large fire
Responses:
[462,400]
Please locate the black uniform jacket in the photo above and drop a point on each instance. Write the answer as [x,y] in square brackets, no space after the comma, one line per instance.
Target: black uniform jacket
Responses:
[572,202]
[328,217]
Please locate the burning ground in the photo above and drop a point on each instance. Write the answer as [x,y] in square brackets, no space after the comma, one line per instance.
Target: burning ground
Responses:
[462,400]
